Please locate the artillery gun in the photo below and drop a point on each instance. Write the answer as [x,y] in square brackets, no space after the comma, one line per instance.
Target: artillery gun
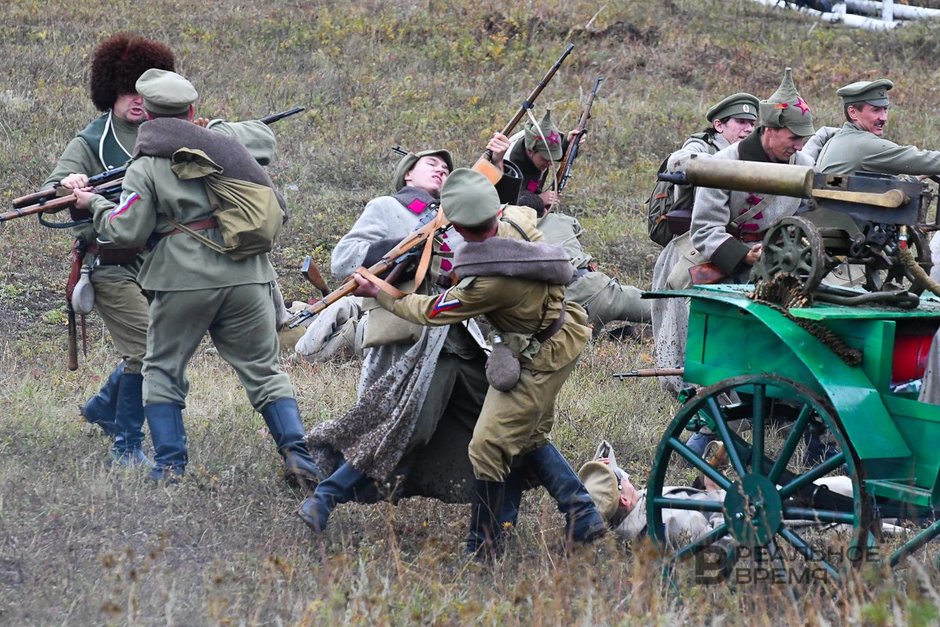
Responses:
[859,222]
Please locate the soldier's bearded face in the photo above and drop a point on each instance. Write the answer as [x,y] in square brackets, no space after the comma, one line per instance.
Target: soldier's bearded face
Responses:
[870,118]
[130,108]
[429,174]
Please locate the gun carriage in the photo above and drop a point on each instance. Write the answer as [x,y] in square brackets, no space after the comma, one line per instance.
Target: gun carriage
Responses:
[814,402]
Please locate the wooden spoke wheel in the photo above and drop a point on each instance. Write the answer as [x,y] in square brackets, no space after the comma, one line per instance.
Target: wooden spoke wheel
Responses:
[772,511]
[793,246]
[884,270]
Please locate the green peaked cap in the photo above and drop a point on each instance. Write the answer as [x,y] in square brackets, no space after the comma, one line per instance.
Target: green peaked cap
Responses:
[408,161]
[535,142]
[165,92]
[468,198]
[786,109]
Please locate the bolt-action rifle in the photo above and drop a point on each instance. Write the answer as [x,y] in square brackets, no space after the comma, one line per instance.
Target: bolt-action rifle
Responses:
[484,164]
[564,172]
[107,184]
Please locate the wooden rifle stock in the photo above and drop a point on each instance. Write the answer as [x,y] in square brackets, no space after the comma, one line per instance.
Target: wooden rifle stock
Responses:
[564,172]
[62,202]
[311,272]
[416,238]
[58,191]
[484,164]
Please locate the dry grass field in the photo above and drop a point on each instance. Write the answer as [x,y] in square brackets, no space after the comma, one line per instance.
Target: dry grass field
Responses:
[82,544]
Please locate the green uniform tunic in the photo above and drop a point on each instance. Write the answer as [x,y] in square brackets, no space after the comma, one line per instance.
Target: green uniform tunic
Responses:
[196,290]
[521,419]
[106,144]
[855,150]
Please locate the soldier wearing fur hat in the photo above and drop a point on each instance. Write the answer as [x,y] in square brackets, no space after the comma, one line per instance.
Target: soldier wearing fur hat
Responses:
[429,408]
[727,226]
[518,283]
[195,288]
[107,143]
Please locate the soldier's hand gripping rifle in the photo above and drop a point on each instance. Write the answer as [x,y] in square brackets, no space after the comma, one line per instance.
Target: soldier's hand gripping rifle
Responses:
[417,243]
[484,164]
[107,184]
[564,172]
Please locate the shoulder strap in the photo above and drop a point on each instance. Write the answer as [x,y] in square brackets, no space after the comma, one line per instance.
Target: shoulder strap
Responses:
[750,213]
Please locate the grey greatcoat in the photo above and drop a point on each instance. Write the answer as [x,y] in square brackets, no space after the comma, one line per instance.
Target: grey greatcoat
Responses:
[682,526]
[419,396]
[712,213]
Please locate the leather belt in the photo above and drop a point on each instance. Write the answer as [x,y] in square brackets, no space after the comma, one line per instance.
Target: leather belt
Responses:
[198,225]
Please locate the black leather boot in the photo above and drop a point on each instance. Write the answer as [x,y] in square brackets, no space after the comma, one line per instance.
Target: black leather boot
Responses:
[340,487]
[129,417]
[101,408]
[169,441]
[584,522]
[484,540]
[283,420]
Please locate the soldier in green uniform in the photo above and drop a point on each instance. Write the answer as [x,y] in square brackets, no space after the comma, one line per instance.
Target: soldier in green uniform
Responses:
[106,143]
[860,146]
[195,288]
[519,287]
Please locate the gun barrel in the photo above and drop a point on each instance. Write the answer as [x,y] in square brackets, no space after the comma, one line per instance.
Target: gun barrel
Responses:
[751,176]
[274,117]
[650,372]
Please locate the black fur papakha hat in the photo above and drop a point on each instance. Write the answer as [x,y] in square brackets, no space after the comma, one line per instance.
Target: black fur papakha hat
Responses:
[118,62]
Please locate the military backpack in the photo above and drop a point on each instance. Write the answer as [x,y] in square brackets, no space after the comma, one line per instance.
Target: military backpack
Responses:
[668,208]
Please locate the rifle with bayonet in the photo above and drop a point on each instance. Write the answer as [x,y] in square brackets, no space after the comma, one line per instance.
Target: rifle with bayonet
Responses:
[107,184]
[564,172]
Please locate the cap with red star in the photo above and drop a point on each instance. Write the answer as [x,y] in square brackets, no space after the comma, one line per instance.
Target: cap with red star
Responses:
[787,109]
[544,138]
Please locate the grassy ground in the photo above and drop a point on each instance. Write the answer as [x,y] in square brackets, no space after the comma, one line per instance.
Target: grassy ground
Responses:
[82,544]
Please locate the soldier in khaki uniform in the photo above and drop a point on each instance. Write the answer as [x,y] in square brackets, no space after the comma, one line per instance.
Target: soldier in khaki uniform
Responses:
[106,143]
[195,288]
[860,146]
[529,315]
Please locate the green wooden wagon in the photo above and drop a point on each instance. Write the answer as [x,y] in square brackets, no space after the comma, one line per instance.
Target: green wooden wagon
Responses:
[769,377]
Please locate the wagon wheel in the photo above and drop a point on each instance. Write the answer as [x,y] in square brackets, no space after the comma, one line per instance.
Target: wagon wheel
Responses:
[885,271]
[773,515]
[793,246]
